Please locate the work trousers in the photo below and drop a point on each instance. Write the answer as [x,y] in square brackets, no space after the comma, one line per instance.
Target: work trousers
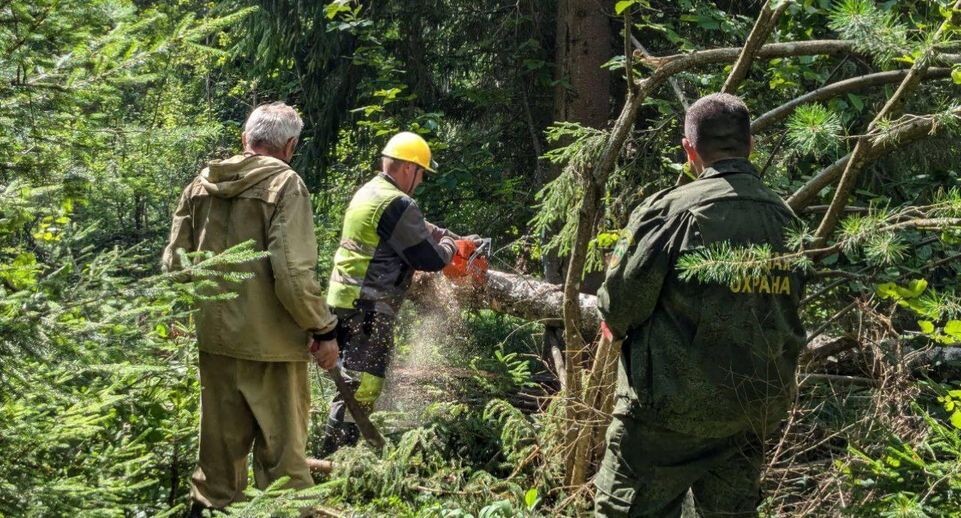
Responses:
[246,403]
[366,339]
[647,471]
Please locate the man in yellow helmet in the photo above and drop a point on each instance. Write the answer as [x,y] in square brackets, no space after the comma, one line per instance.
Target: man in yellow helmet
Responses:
[384,240]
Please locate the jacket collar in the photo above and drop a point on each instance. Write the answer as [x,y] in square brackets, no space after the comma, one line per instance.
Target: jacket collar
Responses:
[385,176]
[730,166]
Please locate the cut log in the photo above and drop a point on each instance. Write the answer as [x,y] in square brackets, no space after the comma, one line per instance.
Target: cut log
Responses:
[512,294]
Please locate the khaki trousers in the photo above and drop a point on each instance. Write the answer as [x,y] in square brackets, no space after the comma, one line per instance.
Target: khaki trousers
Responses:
[246,403]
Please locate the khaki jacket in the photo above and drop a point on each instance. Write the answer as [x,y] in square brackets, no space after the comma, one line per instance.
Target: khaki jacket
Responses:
[261,199]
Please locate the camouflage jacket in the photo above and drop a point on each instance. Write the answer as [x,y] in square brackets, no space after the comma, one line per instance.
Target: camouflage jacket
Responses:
[707,359]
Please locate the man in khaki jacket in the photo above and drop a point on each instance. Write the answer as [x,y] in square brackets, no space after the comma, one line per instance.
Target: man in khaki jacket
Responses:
[254,348]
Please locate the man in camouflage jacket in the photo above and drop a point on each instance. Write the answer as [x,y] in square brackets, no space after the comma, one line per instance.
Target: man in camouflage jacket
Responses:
[707,369]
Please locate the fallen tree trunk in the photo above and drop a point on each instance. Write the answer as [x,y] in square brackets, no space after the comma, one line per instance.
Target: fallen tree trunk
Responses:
[512,294]
[534,300]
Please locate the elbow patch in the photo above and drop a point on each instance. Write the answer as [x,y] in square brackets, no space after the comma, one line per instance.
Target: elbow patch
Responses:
[423,256]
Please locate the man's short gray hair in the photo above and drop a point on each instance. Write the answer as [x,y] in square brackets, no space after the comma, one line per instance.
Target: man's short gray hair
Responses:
[272,125]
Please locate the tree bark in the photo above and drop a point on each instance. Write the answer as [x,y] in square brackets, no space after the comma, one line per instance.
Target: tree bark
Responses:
[581,95]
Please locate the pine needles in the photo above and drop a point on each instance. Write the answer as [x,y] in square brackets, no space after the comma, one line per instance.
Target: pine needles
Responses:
[875,31]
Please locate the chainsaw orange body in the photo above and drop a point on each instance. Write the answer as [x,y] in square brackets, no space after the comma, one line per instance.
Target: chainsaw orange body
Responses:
[469,264]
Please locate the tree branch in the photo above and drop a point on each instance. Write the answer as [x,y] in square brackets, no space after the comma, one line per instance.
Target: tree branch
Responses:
[765,23]
[676,63]
[836,89]
[863,148]
[898,138]
[672,81]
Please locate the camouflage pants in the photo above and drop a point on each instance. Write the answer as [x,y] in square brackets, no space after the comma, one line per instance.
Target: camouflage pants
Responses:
[366,339]
[647,471]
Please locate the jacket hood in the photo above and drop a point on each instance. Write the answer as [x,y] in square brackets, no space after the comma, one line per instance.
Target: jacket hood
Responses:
[228,178]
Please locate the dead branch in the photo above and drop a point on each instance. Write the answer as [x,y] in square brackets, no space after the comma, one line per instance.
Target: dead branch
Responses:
[678,92]
[765,23]
[676,63]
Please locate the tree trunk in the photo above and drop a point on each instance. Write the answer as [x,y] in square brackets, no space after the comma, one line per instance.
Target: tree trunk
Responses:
[582,95]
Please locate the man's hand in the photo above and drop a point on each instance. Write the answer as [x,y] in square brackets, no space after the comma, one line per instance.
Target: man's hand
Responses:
[606,332]
[325,352]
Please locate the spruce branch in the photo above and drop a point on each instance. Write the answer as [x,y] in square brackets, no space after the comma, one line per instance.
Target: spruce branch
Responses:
[723,262]
[813,129]
[877,235]
[877,32]
[839,88]
[916,129]
[863,149]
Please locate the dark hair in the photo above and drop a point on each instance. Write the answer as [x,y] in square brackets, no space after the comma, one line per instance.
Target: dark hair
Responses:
[719,126]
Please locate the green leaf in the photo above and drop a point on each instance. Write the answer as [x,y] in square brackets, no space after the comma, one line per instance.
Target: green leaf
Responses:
[336,7]
[956,419]
[953,328]
[530,498]
[956,75]
[623,5]
[887,290]
[856,102]
[913,289]
[927,327]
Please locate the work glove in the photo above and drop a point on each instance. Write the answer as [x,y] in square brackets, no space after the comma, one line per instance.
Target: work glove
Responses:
[324,352]
[476,239]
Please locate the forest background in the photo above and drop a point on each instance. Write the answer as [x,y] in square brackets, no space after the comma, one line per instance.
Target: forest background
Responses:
[551,122]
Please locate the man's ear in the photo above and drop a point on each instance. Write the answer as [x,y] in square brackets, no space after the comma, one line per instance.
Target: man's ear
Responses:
[290,147]
[692,156]
[243,140]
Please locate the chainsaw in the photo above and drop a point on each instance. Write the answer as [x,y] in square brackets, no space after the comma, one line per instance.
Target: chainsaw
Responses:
[470,262]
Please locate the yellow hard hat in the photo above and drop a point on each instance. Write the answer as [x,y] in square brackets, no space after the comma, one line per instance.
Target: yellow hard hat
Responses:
[410,147]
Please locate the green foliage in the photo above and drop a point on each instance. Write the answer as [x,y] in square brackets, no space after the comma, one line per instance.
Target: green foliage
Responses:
[723,263]
[559,200]
[276,501]
[108,107]
[875,30]
[913,476]
[814,129]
